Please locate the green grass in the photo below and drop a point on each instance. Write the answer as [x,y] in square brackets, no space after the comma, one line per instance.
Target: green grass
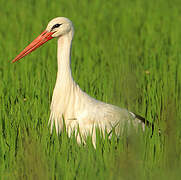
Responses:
[127,53]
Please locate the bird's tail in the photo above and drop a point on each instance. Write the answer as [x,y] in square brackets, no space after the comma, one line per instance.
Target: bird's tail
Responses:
[145,122]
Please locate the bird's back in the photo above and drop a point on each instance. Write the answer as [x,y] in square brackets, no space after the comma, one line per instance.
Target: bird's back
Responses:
[83,114]
[96,114]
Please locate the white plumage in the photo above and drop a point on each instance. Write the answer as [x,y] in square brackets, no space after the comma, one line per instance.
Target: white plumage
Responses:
[69,102]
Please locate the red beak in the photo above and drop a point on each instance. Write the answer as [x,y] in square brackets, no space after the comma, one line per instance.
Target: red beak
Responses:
[40,40]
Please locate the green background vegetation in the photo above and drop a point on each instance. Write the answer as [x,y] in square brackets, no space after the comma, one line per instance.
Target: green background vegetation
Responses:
[126,53]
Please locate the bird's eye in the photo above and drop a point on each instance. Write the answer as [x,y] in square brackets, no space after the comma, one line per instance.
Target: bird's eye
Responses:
[55,26]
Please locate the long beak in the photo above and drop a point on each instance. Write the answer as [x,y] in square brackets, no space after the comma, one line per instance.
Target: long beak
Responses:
[40,40]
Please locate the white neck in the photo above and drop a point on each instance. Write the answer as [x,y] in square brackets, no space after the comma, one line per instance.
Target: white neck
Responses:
[64,75]
[64,83]
[65,87]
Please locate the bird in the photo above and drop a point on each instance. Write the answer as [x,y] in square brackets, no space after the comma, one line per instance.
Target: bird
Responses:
[71,107]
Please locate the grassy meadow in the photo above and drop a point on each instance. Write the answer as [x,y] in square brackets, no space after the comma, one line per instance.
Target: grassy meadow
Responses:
[126,53]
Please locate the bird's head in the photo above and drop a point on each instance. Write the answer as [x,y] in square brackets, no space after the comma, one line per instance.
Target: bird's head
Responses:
[57,27]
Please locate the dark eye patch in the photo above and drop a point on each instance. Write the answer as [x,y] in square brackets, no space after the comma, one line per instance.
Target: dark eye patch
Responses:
[55,26]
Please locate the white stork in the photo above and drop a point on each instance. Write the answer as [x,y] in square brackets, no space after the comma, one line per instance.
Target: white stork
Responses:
[80,112]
